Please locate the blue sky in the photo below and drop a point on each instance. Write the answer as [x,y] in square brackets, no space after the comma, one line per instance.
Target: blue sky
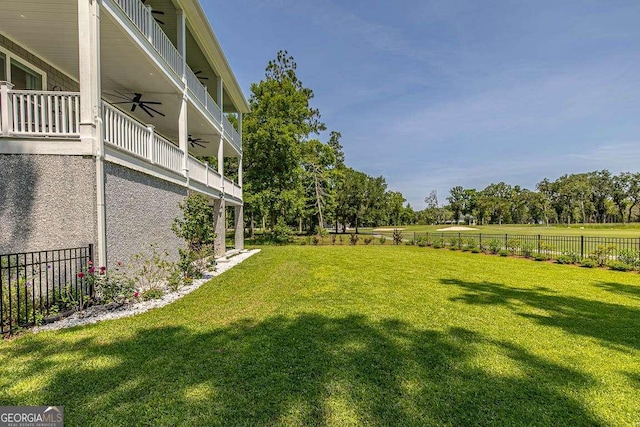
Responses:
[433,94]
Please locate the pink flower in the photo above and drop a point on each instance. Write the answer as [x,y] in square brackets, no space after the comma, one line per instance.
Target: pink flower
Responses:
[81,275]
[119,263]
[102,270]
[92,270]
[89,262]
[135,294]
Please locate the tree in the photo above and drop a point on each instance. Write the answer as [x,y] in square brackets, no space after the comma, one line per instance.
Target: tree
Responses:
[456,202]
[281,119]
[318,162]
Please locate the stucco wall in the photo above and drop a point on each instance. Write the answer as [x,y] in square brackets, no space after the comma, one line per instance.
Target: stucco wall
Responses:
[55,79]
[46,202]
[140,210]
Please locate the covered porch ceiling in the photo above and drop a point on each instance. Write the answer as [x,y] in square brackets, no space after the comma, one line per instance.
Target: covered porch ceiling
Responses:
[49,30]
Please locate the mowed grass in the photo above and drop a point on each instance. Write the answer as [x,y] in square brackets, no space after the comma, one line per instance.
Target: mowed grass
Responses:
[590,230]
[343,335]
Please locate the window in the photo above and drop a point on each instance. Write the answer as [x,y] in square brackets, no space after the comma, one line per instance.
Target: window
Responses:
[3,66]
[24,77]
[20,73]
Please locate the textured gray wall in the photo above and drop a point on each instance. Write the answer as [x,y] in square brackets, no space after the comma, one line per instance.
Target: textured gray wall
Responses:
[46,202]
[55,78]
[140,211]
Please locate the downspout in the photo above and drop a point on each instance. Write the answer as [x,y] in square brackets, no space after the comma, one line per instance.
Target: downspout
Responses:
[100,194]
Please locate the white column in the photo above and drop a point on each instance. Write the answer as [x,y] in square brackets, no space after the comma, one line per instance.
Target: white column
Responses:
[183,128]
[221,145]
[90,108]
[7,108]
[239,227]
[240,158]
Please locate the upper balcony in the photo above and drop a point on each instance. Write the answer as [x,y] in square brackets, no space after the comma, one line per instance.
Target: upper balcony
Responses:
[42,115]
[138,55]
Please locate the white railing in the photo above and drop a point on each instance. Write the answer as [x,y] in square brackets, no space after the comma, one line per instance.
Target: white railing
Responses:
[214,179]
[124,132]
[196,88]
[197,170]
[39,113]
[167,154]
[141,16]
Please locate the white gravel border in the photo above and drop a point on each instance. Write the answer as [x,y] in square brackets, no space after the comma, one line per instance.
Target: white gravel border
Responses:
[99,313]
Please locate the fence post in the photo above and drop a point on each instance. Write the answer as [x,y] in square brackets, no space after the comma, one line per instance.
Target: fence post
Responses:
[506,236]
[538,243]
[91,252]
[480,241]
[414,239]
[582,247]
[459,241]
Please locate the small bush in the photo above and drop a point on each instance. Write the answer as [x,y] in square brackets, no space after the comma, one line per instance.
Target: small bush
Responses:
[280,234]
[513,245]
[475,250]
[437,243]
[382,240]
[152,293]
[333,239]
[541,257]
[316,239]
[353,238]
[340,240]
[421,241]
[504,252]
[368,240]
[527,250]
[630,257]
[494,246]
[620,266]
[454,243]
[569,258]
[397,237]
[471,244]
[588,263]
[602,254]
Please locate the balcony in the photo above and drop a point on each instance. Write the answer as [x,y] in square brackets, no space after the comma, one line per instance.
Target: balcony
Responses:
[46,115]
[147,31]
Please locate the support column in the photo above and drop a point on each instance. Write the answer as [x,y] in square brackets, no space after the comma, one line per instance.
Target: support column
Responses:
[240,157]
[183,128]
[90,108]
[5,101]
[239,227]
[219,220]
[221,145]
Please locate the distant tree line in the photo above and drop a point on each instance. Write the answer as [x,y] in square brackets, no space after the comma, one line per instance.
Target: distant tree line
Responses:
[590,197]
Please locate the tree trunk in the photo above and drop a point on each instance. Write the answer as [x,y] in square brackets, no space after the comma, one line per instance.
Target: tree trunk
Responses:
[319,203]
[252,227]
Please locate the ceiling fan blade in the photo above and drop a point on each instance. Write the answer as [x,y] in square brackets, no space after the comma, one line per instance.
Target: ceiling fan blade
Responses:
[120,95]
[143,108]
[159,12]
[133,107]
[122,102]
[200,145]
[152,109]
[159,21]
[151,102]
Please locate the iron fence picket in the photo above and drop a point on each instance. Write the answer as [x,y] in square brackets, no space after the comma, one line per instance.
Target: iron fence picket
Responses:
[32,283]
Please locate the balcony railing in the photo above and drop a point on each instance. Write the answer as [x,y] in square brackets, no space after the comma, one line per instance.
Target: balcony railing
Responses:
[142,18]
[47,114]
[41,113]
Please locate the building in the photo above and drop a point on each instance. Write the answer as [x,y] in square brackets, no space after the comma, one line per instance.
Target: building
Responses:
[104,106]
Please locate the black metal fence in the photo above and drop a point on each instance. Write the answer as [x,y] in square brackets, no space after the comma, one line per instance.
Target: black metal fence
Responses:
[525,245]
[37,285]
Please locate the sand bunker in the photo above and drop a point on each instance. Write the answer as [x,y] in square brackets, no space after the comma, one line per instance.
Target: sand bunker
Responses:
[457,228]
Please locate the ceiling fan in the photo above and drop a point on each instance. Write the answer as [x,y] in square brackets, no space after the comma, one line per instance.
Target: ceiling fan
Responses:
[196,141]
[137,101]
[201,78]
[157,12]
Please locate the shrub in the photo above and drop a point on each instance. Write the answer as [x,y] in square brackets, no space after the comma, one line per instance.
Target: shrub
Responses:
[368,240]
[541,257]
[333,239]
[504,252]
[353,238]
[397,237]
[471,243]
[196,225]
[437,243]
[454,243]
[109,285]
[280,234]
[152,293]
[475,250]
[316,239]
[620,266]
[564,259]
[588,263]
[382,240]
[340,241]
[154,269]
[513,245]
[421,241]
[527,250]
[602,254]
[630,257]
[494,246]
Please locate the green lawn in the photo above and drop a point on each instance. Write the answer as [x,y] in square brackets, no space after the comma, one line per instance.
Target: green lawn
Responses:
[595,230]
[343,335]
